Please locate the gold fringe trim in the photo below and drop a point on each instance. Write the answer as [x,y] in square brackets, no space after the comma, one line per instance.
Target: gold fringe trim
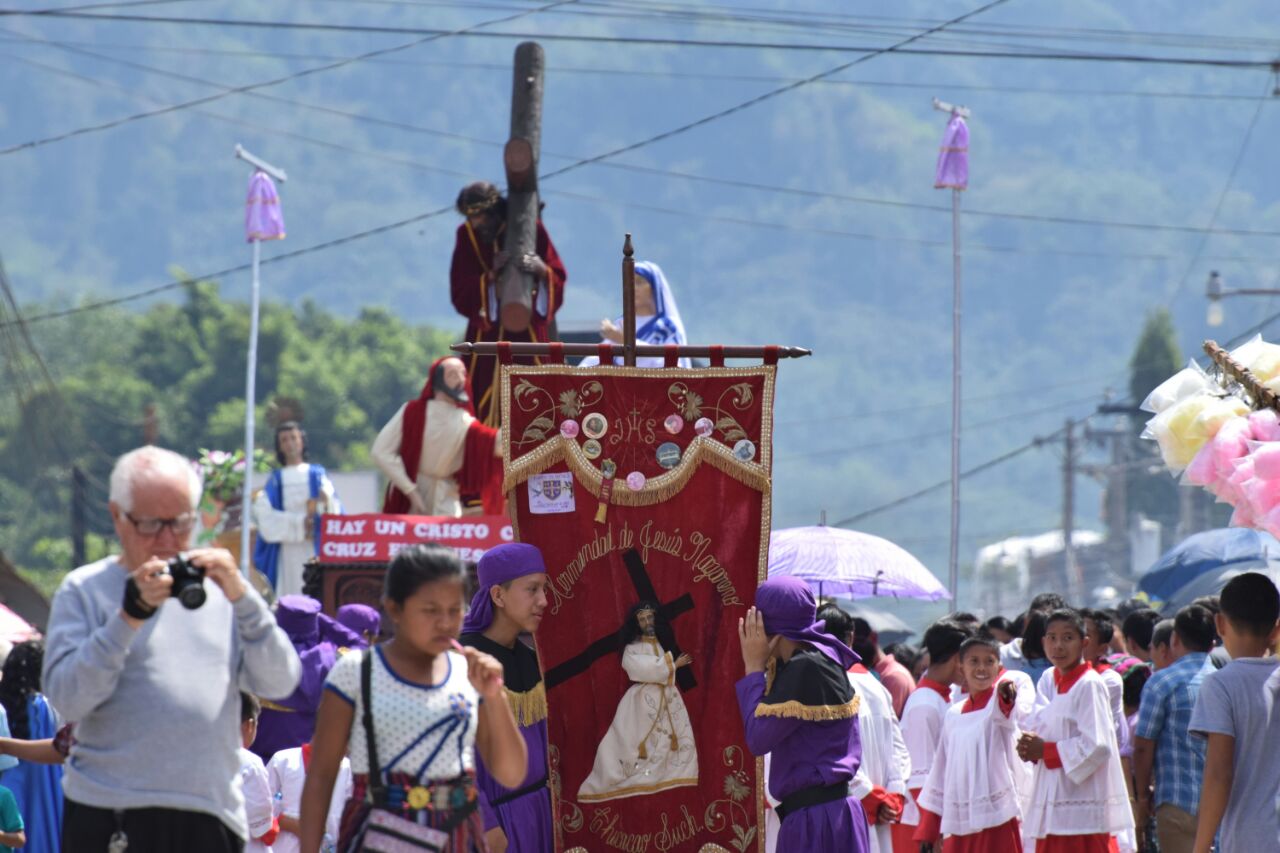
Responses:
[794,710]
[657,490]
[529,707]
[268,705]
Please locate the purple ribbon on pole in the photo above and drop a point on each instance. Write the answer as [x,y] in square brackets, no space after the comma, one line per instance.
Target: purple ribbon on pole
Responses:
[953,158]
[263,217]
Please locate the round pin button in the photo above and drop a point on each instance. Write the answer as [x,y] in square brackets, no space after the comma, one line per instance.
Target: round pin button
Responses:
[668,454]
[595,425]
[744,450]
[635,481]
[673,424]
[608,467]
[704,426]
[569,428]
[591,449]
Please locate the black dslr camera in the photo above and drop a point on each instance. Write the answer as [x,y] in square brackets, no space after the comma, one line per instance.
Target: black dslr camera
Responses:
[188,582]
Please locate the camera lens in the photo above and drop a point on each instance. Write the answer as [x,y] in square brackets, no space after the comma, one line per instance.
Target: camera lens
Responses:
[192,597]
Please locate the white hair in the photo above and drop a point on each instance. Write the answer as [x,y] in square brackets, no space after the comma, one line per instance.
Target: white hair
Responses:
[151,461]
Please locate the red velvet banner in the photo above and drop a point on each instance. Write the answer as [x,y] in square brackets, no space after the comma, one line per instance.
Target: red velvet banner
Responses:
[646,751]
[376,537]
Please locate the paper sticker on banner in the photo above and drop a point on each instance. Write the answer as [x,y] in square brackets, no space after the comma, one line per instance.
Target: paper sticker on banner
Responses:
[551,493]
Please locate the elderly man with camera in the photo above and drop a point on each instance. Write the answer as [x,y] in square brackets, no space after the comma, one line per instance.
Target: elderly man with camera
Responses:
[146,653]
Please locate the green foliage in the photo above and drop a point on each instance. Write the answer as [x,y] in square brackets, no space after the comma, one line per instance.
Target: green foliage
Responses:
[348,376]
[1156,357]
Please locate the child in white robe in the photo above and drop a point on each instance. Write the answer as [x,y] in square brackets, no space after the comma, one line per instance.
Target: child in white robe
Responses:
[1079,802]
[922,718]
[258,806]
[287,772]
[978,784]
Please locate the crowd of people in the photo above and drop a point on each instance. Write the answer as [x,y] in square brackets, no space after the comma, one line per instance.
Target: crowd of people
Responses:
[171,708]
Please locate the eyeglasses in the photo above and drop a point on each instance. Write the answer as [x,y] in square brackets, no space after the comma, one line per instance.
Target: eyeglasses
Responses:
[181,526]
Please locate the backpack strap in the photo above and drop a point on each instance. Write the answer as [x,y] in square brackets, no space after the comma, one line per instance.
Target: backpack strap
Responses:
[377,790]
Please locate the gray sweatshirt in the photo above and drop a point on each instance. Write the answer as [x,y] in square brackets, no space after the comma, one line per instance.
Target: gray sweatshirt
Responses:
[157,710]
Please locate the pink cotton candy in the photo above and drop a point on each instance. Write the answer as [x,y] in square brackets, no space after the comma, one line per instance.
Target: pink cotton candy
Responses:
[1262,495]
[1266,460]
[1231,442]
[1242,517]
[1203,471]
[1264,424]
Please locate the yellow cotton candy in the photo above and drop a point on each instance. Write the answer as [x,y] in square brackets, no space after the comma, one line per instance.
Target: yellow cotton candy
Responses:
[1185,427]
[1266,364]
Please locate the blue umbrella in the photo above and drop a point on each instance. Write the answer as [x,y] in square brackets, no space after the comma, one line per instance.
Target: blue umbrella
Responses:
[1228,547]
[1212,582]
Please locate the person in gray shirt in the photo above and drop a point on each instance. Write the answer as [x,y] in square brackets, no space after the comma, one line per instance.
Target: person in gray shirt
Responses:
[152,686]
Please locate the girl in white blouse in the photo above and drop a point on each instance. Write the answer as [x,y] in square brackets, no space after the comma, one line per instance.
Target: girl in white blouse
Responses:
[432,707]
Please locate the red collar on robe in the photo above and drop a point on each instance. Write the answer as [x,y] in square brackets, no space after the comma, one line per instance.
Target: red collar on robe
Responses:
[413,427]
[859,669]
[1065,683]
[1099,665]
[306,757]
[938,687]
[978,701]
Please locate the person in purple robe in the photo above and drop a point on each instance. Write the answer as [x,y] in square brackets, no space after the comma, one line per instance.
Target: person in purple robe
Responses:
[291,722]
[363,621]
[509,603]
[798,705]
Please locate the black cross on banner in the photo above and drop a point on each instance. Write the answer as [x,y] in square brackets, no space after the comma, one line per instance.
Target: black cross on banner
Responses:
[607,645]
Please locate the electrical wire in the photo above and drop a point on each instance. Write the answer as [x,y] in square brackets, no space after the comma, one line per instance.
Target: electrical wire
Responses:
[250,87]
[1043,55]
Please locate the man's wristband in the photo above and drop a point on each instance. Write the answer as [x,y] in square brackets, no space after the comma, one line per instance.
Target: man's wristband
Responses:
[133,605]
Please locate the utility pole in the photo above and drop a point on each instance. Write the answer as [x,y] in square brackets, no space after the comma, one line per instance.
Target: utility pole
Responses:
[520,159]
[150,424]
[79,524]
[1075,583]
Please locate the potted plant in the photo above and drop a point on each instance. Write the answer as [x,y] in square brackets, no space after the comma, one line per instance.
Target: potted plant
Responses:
[222,474]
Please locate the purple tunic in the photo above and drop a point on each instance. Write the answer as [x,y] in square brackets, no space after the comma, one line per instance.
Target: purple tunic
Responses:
[525,819]
[807,749]
[291,722]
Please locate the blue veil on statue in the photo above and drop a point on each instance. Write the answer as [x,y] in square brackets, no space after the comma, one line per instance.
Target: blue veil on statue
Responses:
[664,327]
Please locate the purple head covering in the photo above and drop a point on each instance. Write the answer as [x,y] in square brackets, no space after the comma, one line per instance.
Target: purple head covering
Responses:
[361,618]
[498,565]
[262,217]
[788,608]
[299,617]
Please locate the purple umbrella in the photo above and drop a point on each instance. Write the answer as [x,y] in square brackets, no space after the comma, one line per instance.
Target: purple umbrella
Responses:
[846,561]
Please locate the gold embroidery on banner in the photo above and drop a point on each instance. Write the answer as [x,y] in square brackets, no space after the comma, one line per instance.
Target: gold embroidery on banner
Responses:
[637,789]
[529,707]
[794,710]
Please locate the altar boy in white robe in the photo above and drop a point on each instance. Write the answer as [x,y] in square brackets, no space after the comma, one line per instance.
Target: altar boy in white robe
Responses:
[287,510]
[1079,801]
[977,784]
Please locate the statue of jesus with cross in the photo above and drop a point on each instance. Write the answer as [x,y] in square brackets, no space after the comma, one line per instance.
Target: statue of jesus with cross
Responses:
[649,746]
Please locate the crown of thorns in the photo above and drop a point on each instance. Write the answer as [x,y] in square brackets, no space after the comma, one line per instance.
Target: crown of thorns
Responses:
[486,200]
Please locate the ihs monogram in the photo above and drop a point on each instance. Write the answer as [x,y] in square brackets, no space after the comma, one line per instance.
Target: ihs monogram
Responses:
[635,427]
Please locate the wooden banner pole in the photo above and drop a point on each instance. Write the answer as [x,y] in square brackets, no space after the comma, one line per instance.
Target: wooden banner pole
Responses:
[628,303]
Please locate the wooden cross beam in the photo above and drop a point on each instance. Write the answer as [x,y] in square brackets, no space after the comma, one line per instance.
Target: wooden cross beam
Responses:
[610,643]
[629,350]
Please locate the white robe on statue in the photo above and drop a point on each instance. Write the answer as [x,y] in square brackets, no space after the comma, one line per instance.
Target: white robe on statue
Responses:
[288,526]
[649,746]
[443,442]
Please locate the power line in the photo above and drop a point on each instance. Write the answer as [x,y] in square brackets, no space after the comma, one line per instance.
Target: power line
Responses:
[742,184]
[861,448]
[991,463]
[663,73]
[1222,196]
[1213,62]
[306,72]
